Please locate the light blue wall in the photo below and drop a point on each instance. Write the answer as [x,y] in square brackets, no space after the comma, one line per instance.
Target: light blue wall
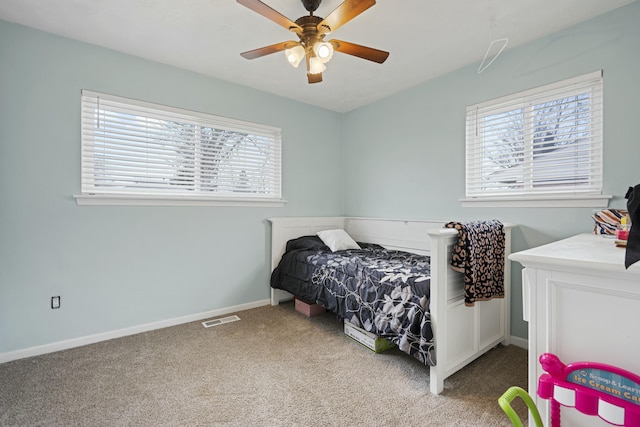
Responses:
[117,267]
[404,156]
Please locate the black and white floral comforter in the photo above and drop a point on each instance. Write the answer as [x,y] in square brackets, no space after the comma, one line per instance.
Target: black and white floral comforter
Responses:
[383,291]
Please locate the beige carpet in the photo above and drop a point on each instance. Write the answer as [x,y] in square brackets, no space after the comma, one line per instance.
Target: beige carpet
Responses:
[275,367]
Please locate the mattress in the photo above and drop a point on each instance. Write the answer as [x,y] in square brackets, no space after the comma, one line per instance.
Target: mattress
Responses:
[385,292]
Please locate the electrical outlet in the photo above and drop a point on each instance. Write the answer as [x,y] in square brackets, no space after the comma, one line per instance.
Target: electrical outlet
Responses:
[55,302]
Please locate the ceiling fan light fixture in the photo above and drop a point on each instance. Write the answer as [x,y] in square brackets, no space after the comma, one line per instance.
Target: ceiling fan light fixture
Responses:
[295,55]
[316,66]
[311,31]
[323,51]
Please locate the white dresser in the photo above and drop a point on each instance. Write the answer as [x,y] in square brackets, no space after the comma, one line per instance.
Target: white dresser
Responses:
[582,305]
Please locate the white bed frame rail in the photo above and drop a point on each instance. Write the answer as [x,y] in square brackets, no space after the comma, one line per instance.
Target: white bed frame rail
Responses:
[461,333]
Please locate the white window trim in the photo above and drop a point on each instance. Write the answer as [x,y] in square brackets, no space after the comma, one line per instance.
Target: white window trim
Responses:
[140,200]
[89,198]
[577,201]
[567,199]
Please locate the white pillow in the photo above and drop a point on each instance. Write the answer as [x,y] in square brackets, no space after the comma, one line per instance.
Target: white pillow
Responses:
[338,240]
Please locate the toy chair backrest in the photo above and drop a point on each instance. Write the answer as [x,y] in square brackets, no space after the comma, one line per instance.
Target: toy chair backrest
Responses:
[606,391]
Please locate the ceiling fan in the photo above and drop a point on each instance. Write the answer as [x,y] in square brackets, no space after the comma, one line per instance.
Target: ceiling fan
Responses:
[311,31]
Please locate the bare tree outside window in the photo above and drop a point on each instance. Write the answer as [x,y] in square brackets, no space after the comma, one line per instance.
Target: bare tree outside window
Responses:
[133,149]
[536,143]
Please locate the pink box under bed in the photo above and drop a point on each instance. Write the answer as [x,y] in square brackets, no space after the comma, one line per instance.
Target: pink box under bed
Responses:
[308,309]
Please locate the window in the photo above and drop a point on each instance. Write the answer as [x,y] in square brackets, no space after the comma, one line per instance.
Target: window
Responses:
[136,152]
[542,144]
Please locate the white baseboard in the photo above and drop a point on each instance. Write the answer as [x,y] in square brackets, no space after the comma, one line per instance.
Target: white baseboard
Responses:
[520,342]
[90,339]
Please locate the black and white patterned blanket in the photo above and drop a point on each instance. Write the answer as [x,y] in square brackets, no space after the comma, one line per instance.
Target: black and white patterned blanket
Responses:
[383,291]
[479,255]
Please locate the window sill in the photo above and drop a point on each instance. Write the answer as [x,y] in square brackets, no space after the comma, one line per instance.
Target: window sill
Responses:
[138,200]
[565,201]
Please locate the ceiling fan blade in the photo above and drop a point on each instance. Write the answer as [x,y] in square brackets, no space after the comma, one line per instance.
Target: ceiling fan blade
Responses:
[344,13]
[363,52]
[272,14]
[267,50]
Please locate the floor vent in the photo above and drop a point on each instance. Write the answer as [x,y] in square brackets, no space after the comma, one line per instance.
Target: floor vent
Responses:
[216,322]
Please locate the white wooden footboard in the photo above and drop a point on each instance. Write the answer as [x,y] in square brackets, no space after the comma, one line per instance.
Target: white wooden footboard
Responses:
[461,333]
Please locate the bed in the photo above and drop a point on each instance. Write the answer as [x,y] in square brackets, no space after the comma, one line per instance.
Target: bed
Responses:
[444,334]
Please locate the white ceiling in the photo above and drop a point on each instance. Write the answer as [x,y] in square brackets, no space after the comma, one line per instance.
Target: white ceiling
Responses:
[426,38]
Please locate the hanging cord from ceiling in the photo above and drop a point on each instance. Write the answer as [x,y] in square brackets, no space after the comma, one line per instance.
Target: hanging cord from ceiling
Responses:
[495,48]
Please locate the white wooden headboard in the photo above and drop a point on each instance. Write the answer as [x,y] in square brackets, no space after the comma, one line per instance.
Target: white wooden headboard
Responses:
[285,229]
[407,235]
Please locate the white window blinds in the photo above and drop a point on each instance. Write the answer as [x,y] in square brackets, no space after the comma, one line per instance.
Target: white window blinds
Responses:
[545,141]
[131,147]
